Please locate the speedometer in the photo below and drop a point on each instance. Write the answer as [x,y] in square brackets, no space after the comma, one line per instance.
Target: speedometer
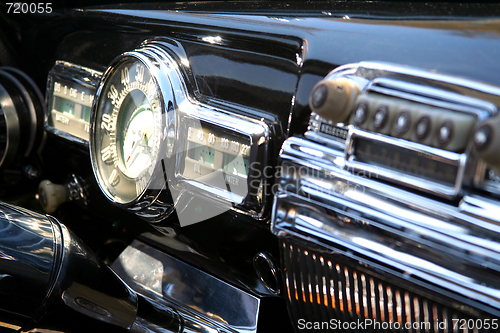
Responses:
[155,145]
[127,129]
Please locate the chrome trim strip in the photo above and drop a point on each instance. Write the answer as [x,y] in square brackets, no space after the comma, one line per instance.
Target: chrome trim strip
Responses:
[226,117]
[196,294]
[415,72]
[464,240]
[94,73]
[432,96]
[425,87]
[480,180]
[12,126]
[311,156]
[385,249]
[75,73]
[24,94]
[412,181]
[217,192]
[481,207]
[430,84]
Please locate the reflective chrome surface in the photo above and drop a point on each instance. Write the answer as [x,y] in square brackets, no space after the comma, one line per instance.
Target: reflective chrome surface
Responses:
[44,268]
[258,133]
[29,250]
[11,126]
[267,272]
[136,191]
[182,107]
[88,286]
[21,120]
[224,116]
[420,183]
[429,85]
[195,294]
[454,247]
[425,88]
[81,75]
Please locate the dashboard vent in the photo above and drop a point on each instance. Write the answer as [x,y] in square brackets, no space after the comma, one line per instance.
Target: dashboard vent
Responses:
[325,294]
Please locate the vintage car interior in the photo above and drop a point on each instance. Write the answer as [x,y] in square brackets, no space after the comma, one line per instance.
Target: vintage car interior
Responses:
[249,167]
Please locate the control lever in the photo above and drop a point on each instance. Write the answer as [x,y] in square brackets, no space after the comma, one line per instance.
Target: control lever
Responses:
[51,195]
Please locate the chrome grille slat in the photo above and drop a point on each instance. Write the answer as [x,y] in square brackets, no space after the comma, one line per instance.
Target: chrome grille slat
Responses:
[321,287]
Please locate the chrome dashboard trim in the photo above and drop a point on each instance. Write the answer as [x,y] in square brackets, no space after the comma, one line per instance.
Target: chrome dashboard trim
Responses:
[482,182]
[401,178]
[92,72]
[256,130]
[75,73]
[201,299]
[190,107]
[396,226]
[424,87]
[431,96]
[12,126]
[214,191]
[455,88]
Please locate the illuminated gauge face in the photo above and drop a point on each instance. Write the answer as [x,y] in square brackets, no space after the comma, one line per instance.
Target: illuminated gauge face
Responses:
[127,131]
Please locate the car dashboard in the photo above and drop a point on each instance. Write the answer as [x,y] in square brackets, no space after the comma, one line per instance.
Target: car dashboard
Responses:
[250,167]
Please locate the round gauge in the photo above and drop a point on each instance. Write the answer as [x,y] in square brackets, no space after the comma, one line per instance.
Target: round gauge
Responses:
[127,129]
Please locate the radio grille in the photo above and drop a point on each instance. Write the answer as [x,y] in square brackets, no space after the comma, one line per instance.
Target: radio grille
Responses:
[321,289]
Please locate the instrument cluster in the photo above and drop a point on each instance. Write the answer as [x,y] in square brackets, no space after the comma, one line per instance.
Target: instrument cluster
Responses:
[148,136]
[70,94]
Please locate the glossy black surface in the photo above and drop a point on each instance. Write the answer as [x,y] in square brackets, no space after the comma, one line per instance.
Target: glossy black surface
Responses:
[268,57]
[265,56]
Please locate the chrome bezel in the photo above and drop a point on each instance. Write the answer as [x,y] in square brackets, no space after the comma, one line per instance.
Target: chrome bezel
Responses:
[258,134]
[87,77]
[172,70]
[157,65]
[12,127]
[459,160]
[223,116]
[223,307]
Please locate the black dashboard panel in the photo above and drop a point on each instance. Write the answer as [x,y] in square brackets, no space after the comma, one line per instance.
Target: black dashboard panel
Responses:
[325,212]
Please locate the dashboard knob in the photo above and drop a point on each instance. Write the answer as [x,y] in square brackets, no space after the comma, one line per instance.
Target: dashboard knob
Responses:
[487,141]
[51,195]
[334,99]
